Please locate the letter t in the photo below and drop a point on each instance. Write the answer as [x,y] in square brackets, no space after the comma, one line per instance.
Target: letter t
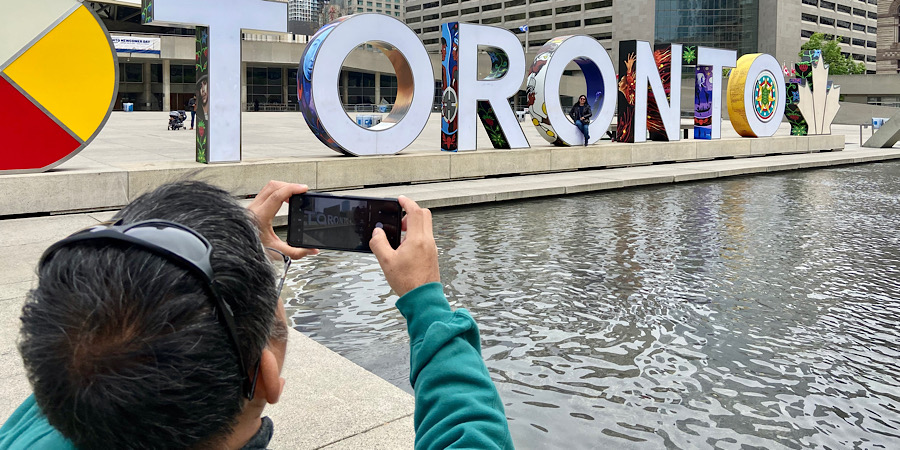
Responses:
[718,59]
[225,21]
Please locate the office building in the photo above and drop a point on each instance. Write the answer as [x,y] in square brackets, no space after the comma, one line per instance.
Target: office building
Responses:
[855,21]
[166,80]
[536,21]
[392,8]
[748,26]
[888,37]
[304,10]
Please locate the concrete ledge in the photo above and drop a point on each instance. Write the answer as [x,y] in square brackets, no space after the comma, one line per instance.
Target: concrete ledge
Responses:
[457,193]
[498,162]
[62,191]
[723,149]
[341,172]
[113,187]
[573,158]
[773,145]
[655,152]
[825,142]
[238,179]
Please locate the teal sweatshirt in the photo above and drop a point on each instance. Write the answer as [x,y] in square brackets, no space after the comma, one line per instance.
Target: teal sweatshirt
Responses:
[27,428]
[457,404]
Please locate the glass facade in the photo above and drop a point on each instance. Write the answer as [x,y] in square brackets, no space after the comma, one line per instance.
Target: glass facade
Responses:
[730,24]
[388,89]
[360,89]
[264,85]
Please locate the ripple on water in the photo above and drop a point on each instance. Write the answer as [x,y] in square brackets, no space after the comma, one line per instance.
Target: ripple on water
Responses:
[754,311]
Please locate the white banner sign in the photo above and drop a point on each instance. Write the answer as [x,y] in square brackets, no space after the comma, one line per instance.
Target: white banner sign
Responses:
[133,44]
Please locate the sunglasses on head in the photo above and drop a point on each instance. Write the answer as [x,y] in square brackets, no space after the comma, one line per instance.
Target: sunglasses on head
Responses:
[187,248]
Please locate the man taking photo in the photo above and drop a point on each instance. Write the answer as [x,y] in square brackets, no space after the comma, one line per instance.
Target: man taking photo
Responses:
[163,329]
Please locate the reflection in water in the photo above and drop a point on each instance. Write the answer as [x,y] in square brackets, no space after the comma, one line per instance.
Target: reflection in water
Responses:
[759,311]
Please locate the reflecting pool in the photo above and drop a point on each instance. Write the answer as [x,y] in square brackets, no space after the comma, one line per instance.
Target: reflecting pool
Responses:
[744,312]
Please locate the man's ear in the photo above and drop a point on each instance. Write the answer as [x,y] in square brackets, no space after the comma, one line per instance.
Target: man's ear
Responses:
[270,384]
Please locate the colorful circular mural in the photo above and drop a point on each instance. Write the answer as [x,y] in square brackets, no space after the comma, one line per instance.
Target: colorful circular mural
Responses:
[765,96]
[57,83]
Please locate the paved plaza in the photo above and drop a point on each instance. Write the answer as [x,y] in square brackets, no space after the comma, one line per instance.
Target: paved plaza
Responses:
[329,401]
[136,139]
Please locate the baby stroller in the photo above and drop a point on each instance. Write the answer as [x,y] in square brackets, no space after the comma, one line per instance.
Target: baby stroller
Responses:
[176,120]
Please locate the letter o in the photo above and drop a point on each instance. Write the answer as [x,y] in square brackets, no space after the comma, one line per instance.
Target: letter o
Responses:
[320,70]
[543,83]
[756,95]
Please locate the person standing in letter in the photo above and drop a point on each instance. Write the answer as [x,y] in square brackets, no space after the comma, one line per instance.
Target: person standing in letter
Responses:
[581,114]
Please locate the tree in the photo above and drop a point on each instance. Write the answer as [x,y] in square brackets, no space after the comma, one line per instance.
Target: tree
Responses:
[838,64]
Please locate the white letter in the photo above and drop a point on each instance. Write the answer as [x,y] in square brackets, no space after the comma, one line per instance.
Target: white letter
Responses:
[646,73]
[496,91]
[225,22]
[320,69]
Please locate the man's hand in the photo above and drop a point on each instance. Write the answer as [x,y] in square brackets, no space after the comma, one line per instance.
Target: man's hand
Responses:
[415,262]
[266,205]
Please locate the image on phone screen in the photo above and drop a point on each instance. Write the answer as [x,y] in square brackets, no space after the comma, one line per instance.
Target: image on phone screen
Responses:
[341,223]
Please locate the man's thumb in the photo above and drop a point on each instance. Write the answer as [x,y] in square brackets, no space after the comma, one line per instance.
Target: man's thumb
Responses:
[379,244]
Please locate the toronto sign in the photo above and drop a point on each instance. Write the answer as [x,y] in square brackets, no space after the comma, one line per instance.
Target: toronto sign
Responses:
[55,117]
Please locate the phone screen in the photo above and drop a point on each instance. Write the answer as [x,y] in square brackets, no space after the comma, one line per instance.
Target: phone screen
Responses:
[341,223]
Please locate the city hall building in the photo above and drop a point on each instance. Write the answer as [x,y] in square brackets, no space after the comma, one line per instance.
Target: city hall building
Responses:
[159,75]
[775,27]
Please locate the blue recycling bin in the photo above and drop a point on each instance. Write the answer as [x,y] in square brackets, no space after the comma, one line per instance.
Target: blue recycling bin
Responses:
[128,107]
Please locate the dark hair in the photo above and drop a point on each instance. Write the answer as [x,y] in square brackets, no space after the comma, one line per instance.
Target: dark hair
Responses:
[123,347]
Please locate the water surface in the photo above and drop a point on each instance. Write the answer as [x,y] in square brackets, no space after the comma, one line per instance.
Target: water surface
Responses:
[738,313]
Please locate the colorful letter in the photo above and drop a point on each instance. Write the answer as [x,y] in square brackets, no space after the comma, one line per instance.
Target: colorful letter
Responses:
[449,86]
[646,85]
[819,98]
[542,88]
[756,94]
[708,96]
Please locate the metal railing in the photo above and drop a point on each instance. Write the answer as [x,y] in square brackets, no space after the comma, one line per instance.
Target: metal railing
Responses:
[270,107]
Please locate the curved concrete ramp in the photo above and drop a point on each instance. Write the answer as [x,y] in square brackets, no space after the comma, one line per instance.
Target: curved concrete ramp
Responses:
[887,135]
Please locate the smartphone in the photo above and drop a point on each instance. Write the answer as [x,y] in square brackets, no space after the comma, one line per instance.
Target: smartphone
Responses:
[336,222]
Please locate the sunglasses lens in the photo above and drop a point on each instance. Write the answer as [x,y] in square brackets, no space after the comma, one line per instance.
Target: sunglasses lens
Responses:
[173,239]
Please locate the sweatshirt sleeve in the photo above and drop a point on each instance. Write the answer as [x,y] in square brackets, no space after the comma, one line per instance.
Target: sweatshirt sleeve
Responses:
[457,404]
